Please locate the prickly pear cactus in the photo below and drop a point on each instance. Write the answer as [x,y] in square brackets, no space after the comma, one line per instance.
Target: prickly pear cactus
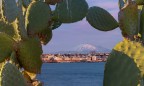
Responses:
[11,76]
[69,11]
[26,25]
[101,19]
[9,10]
[124,66]
[127,21]
[37,17]
[30,60]
[7,45]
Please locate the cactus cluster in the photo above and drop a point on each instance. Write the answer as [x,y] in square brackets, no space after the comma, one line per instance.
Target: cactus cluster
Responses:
[124,66]
[27,24]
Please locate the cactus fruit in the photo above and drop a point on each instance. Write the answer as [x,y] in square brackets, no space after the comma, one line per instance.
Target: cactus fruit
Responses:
[29,55]
[9,10]
[101,19]
[37,17]
[11,76]
[6,46]
[127,21]
[69,11]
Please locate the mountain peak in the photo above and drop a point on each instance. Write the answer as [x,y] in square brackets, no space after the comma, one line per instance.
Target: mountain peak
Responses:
[85,47]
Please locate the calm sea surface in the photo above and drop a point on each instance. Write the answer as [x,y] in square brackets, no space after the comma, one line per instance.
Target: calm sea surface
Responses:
[72,74]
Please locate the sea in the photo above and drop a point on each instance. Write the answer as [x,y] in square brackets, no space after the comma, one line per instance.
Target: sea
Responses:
[72,74]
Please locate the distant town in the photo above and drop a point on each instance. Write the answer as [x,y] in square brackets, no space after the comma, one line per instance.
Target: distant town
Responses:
[70,58]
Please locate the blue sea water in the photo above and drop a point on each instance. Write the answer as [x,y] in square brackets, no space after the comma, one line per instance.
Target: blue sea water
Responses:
[72,74]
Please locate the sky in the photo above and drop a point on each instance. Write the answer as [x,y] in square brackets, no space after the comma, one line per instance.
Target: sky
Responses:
[68,36]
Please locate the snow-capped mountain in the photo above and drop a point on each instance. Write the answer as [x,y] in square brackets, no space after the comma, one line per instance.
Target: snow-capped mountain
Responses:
[85,49]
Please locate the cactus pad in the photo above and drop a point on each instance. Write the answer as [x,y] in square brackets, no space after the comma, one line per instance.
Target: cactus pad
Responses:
[29,55]
[11,76]
[125,63]
[69,11]
[9,10]
[37,17]
[127,21]
[6,46]
[10,28]
[101,19]
[121,70]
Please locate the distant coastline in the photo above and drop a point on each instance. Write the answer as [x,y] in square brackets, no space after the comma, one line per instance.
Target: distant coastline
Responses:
[71,58]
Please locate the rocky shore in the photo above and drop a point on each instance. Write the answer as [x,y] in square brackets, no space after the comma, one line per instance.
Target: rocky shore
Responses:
[60,58]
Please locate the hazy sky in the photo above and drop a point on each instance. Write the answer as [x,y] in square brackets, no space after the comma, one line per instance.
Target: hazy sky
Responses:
[69,36]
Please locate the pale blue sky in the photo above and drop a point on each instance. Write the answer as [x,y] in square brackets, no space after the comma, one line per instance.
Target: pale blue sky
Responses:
[69,36]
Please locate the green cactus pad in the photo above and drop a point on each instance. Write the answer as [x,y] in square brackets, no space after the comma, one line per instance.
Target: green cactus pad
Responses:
[134,50]
[21,22]
[37,17]
[45,36]
[121,70]
[6,46]
[10,29]
[53,2]
[29,55]
[101,19]
[9,10]
[11,76]
[69,11]
[127,21]
[124,66]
